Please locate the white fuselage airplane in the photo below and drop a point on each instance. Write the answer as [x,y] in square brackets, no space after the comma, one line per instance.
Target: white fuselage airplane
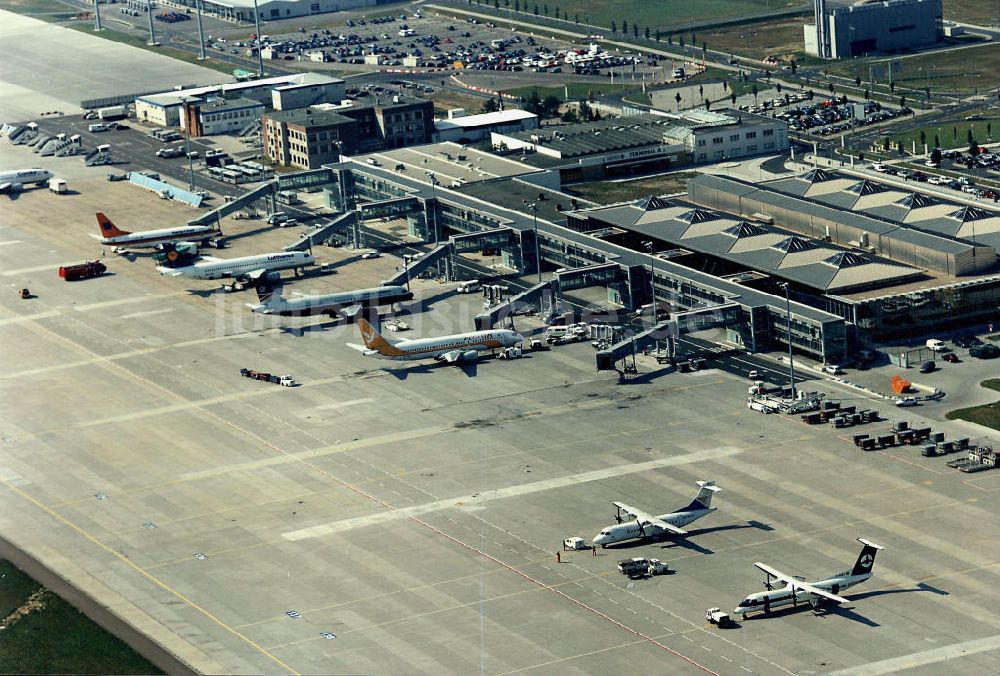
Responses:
[346,304]
[248,267]
[461,347]
[795,591]
[643,525]
[150,239]
[15,180]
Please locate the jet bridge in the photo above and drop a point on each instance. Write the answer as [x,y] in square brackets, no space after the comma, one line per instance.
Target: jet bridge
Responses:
[529,296]
[323,232]
[214,216]
[637,342]
[604,274]
[498,238]
[414,267]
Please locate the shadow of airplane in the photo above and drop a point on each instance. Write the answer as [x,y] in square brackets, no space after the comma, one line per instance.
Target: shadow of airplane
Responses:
[921,587]
[470,369]
[427,302]
[225,239]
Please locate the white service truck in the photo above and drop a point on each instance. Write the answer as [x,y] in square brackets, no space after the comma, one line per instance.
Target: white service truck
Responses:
[637,567]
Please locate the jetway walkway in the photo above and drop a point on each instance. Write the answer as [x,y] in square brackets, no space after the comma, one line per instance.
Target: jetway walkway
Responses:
[217,214]
[414,268]
[163,188]
[323,232]
[637,342]
[529,296]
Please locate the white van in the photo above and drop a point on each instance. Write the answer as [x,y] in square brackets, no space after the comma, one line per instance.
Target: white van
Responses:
[936,345]
[556,331]
[469,286]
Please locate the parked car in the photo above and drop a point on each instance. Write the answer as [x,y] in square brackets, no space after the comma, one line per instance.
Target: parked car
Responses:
[371,254]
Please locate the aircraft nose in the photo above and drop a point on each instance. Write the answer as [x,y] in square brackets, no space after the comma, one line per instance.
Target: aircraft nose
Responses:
[598,540]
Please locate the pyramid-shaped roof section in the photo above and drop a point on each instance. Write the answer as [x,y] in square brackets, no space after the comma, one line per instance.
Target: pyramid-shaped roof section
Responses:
[654,203]
[866,187]
[969,213]
[794,244]
[817,176]
[698,216]
[918,200]
[745,229]
[848,259]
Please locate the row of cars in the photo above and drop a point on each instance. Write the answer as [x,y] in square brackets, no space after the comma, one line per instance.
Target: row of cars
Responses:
[962,183]
[833,115]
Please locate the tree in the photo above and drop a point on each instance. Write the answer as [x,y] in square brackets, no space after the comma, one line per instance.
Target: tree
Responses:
[937,142]
[496,4]
[517,6]
[843,99]
[732,98]
[670,38]
[635,30]
[586,114]
[614,29]
[677,98]
[545,10]
[777,87]
[809,94]
[830,87]
[708,104]
[536,10]
[680,41]
[624,27]
[902,101]
[576,19]
[892,87]
[657,34]
[923,137]
[550,105]
[647,32]
[570,116]
[694,39]
[936,155]
[753,90]
[989,129]
[557,12]
[701,90]
[725,85]
[867,93]
[899,147]
[704,48]
[857,81]
[793,66]
[533,104]
[954,133]
[973,149]
[491,105]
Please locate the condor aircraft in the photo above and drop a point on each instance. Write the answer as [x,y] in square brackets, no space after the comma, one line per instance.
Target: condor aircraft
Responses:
[796,591]
[461,347]
[346,304]
[643,525]
[150,239]
[247,268]
[13,181]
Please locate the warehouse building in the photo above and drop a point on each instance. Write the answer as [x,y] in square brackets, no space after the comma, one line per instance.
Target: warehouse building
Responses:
[463,128]
[642,143]
[847,29]
[216,115]
[272,10]
[310,137]
[281,92]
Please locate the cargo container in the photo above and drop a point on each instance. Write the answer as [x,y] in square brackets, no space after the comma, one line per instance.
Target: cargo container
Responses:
[112,113]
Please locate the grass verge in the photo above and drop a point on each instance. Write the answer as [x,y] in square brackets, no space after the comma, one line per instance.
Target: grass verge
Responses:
[43,634]
[987,415]
[610,192]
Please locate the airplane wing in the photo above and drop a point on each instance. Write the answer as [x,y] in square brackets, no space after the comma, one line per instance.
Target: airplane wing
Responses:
[452,357]
[350,310]
[649,519]
[4,187]
[254,275]
[799,584]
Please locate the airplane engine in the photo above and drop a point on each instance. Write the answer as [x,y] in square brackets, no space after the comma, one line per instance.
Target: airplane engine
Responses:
[470,355]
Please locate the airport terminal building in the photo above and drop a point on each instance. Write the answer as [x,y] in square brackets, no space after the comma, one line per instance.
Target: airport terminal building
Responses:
[272,10]
[844,30]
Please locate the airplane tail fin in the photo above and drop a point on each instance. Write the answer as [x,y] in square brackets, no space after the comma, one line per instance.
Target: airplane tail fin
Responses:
[109,229]
[373,340]
[866,559]
[704,498]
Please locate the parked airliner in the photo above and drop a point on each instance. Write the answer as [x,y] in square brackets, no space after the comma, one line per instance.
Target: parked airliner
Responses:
[247,268]
[13,181]
[151,239]
[796,591]
[461,347]
[346,304]
[643,525]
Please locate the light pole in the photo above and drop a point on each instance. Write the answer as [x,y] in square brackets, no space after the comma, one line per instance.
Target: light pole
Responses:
[538,245]
[256,21]
[433,206]
[648,244]
[187,142]
[152,32]
[201,34]
[791,363]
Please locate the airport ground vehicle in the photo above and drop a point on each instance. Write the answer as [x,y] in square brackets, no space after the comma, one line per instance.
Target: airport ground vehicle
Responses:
[25,294]
[984,351]
[719,618]
[904,402]
[284,381]
[469,286]
[277,218]
[936,345]
[637,567]
[171,151]
[928,367]
[72,273]
[58,186]
[111,113]
[575,544]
